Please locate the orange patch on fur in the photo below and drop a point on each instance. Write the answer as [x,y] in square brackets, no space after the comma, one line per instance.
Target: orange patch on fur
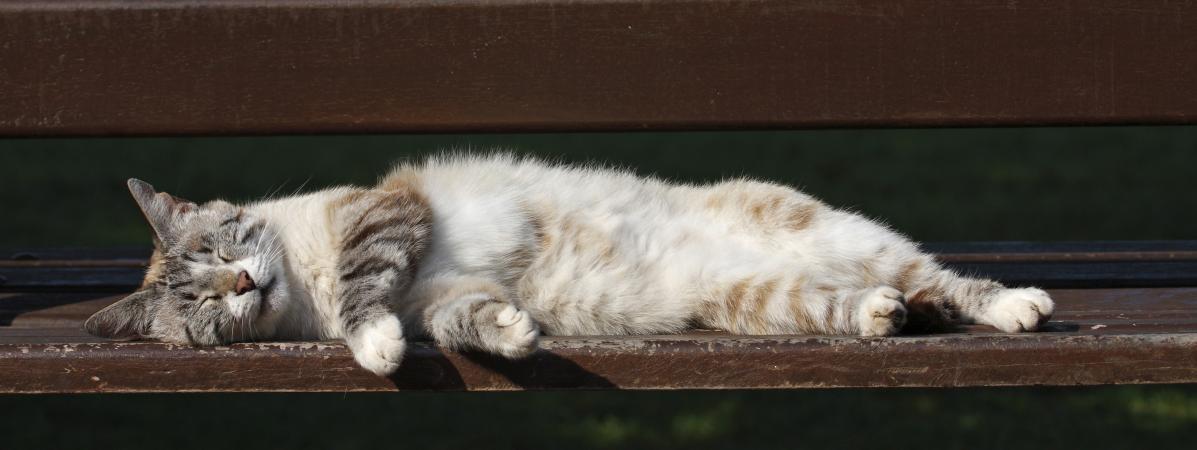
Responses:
[764,210]
[588,241]
[803,321]
[714,202]
[757,316]
[155,270]
[224,281]
[351,197]
[735,300]
[405,180]
[907,275]
[868,272]
[769,206]
[799,217]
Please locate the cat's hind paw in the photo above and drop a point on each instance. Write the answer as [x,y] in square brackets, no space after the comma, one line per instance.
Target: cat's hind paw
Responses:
[517,332]
[378,346]
[1015,310]
[882,312]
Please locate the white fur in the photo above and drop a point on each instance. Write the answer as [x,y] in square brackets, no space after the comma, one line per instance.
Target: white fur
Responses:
[518,332]
[378,346]
[1015,310]
[671,251]
[879,311]
[309,266]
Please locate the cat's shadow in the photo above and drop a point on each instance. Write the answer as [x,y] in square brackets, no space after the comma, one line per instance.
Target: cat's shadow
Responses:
[426,367]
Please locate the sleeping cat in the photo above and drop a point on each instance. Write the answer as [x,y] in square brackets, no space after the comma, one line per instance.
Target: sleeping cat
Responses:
[489,252]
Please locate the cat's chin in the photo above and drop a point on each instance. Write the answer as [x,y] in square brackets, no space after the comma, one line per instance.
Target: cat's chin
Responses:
[264,294]
[271,303]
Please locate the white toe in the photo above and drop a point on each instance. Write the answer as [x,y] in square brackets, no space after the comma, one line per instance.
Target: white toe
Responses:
[509,316]
[882,312]
[518,332]
[1015,310]
[378,346]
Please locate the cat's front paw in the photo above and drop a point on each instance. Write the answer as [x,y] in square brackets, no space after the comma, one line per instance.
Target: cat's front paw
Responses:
[517,332]
[1015,310]
[378,345]
[882,312]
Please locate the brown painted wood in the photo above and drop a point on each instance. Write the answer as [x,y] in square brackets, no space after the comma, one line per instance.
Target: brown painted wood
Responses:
[1062,251]
[137,263]
[1098,336]
[1050,257]
[1093,311]
[124,67]
[664,362]
[48,310]
[114,279]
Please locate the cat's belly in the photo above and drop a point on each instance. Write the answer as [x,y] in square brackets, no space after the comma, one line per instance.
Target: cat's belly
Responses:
[618,275]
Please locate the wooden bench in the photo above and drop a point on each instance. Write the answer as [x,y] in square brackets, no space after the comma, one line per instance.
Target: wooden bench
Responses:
[1127,311]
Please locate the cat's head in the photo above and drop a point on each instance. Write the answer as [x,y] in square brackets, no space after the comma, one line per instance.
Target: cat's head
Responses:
[217,276]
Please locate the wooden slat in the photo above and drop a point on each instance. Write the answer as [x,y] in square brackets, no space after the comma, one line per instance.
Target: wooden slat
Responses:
[1071,247]
[666,362]
[113,279]
[50,310]
[1098,337]
[1080,275]
[1077,310]
[15,255]
[302,66]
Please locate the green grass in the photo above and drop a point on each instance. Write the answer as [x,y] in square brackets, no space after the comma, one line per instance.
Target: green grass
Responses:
[1126,417]
[936,185]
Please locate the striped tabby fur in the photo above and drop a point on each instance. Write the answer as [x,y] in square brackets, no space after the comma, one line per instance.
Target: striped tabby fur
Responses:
[488,253]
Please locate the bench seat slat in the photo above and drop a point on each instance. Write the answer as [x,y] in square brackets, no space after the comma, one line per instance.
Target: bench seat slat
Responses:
[1097,336]
[1139,305]
[666,362]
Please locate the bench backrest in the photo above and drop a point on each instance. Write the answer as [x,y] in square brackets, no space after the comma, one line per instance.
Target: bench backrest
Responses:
[257,67]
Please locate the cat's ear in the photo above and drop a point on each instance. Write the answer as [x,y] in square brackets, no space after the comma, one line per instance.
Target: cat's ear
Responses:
[160,209]
[128,318]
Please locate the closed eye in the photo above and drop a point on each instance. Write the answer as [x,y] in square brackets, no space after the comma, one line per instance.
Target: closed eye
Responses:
[249,233]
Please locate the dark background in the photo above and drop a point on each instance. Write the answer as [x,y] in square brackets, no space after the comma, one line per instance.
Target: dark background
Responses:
[1039,184]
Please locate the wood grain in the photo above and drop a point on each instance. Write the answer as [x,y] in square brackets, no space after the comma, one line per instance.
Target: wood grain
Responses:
[667,362]
[158,67]
[1097,336]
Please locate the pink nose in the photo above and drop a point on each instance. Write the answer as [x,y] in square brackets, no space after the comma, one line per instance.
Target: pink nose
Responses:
[244,283]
